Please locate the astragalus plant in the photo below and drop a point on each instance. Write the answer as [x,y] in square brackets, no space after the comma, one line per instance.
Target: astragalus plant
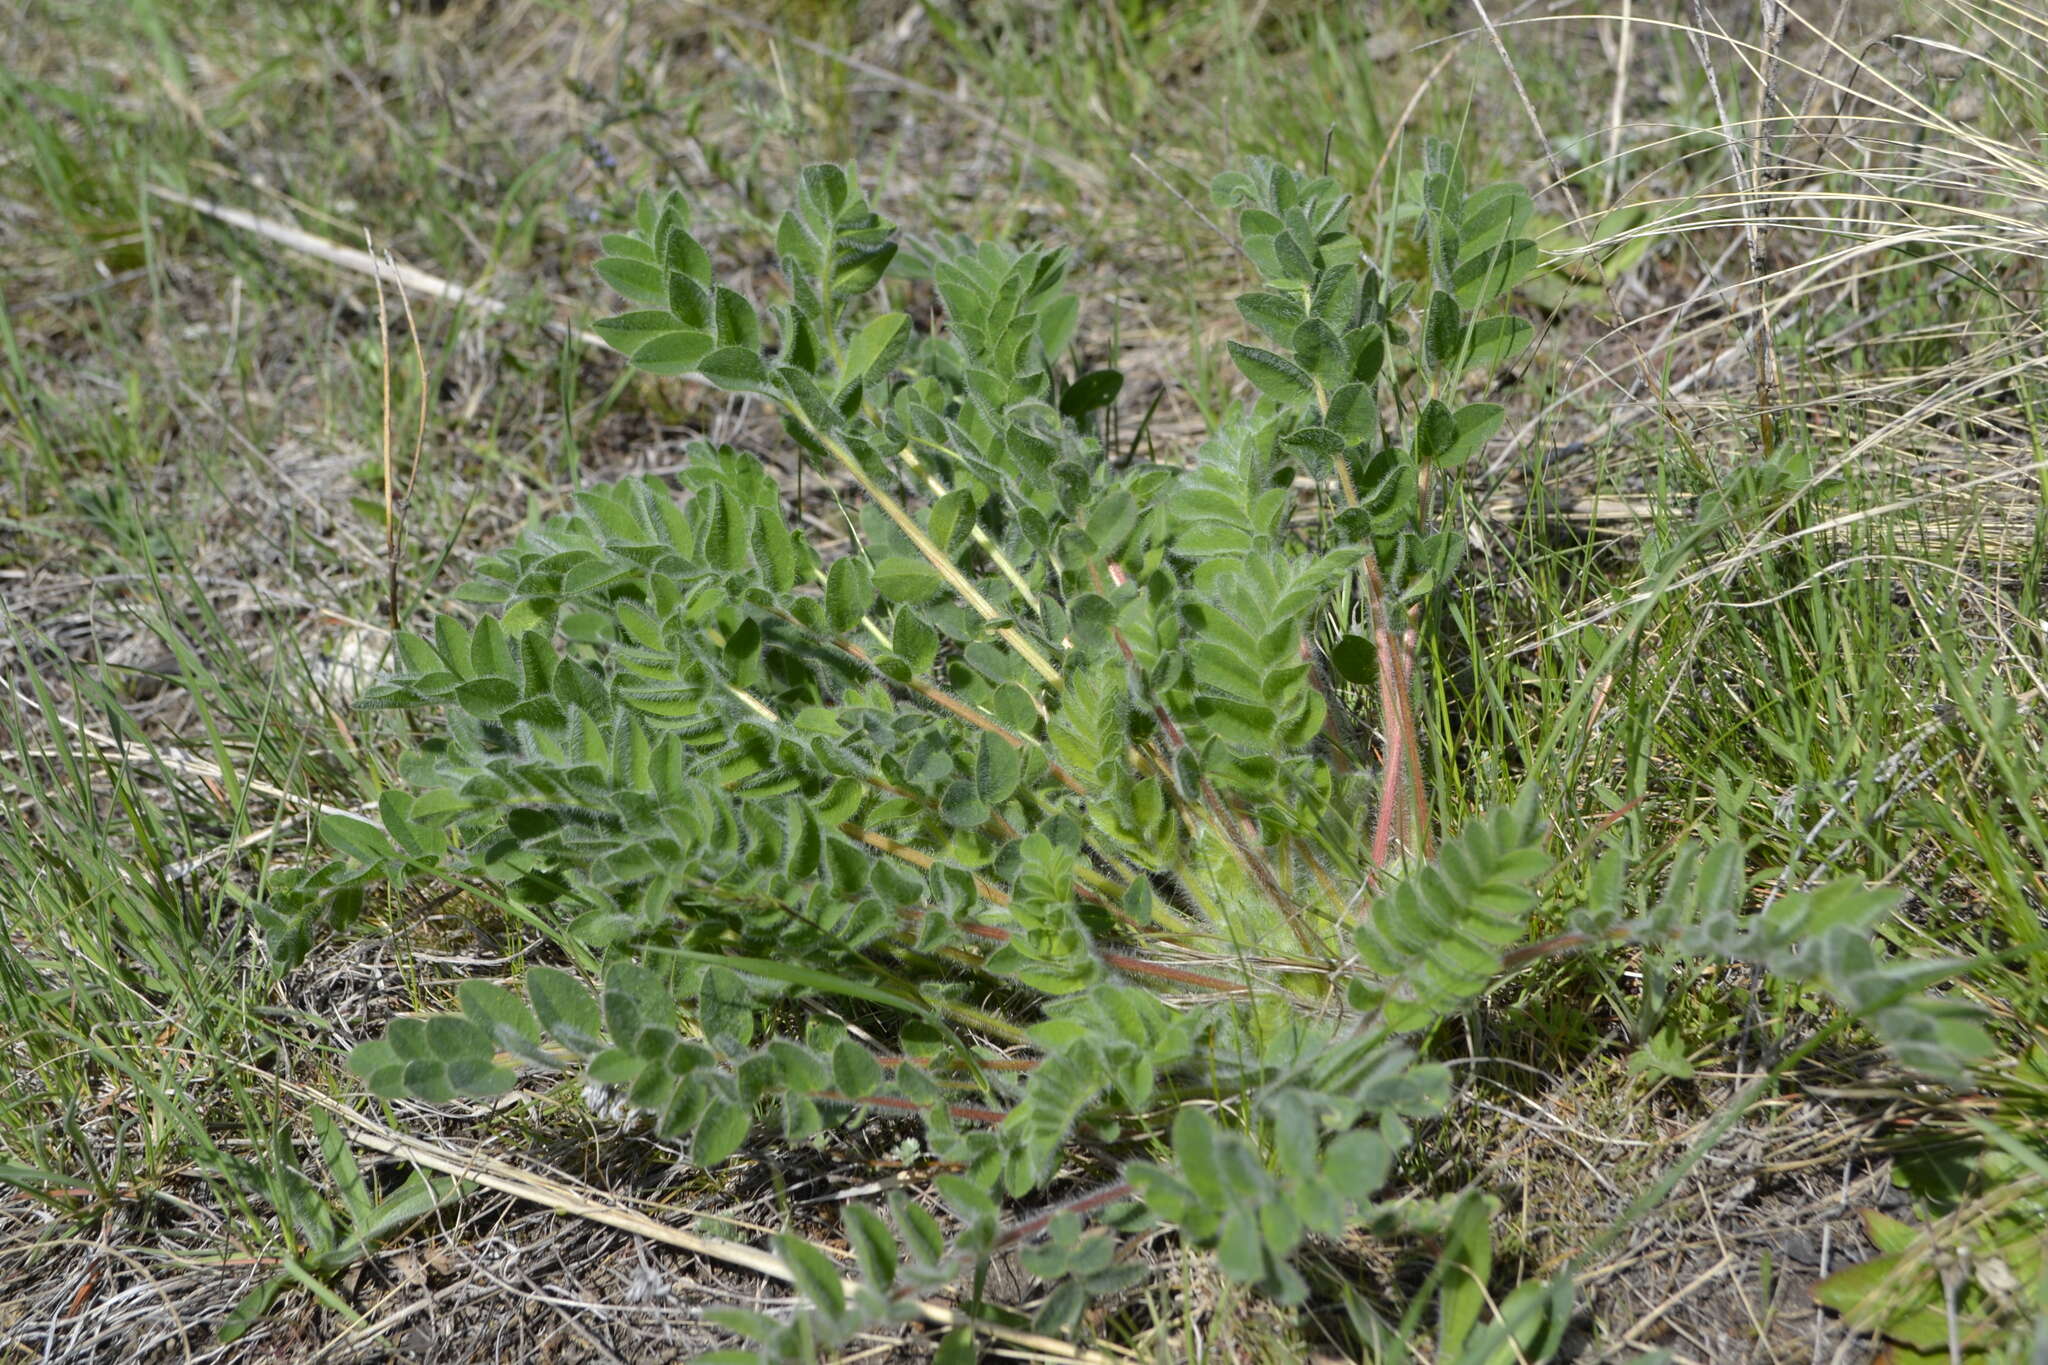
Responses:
[1029,820]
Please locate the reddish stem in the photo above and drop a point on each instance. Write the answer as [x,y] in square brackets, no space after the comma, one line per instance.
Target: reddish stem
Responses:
[1087,1203]
[966,1113]
[1125,962]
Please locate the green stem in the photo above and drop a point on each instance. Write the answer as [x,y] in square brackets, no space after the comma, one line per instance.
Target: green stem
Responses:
[937,558]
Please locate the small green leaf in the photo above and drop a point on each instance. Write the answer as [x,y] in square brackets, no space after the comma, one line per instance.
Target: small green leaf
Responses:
[960,807]
[690,301]
[1486,276]
[1195,1140]
[824,189]
[816,1278]
[1866,1293]
[1353,413]
[910,581]
[628,331]
[251,1307]
[997,769]
[1320,352]
[684,255]
[1467,1264]
[1240,1251]
[565,1010]
[725,1009]
[737,369]
[719,1133]
[774,551]
[1367,347]
[922,1237]
[640,281]
[1443,331]
[357,838]
[871,344]
[671,353]
[490,650]
[1890,1235]
[620,244]
[849,592]
[1495,341]
[1091,618]
[957,1348]
[951,520]
[734,322]
[1277,315]
[1492,214]
[1435,430]
[861,271]
[855,1072]
[1096,389]
[505,1017]
[453,1038]
[1472,425]
[1355,660]
[872,1243]
[1056,322]
[1274,376]
[367,1059]
[969,1201]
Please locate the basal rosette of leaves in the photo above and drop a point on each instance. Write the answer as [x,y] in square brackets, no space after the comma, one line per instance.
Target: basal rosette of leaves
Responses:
[1038,783]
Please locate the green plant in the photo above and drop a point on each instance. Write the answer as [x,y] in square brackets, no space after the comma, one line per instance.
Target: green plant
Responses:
[1971,1283]
[328,1238]
[1471,1329]
[1039,787]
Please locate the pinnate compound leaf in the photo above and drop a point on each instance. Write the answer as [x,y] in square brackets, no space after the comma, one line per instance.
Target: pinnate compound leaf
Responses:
[1434,942]
[677,738]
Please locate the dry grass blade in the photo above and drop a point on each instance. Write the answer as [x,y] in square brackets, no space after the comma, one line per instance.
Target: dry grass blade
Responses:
[178,760]
[408,277]
[506,1178]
